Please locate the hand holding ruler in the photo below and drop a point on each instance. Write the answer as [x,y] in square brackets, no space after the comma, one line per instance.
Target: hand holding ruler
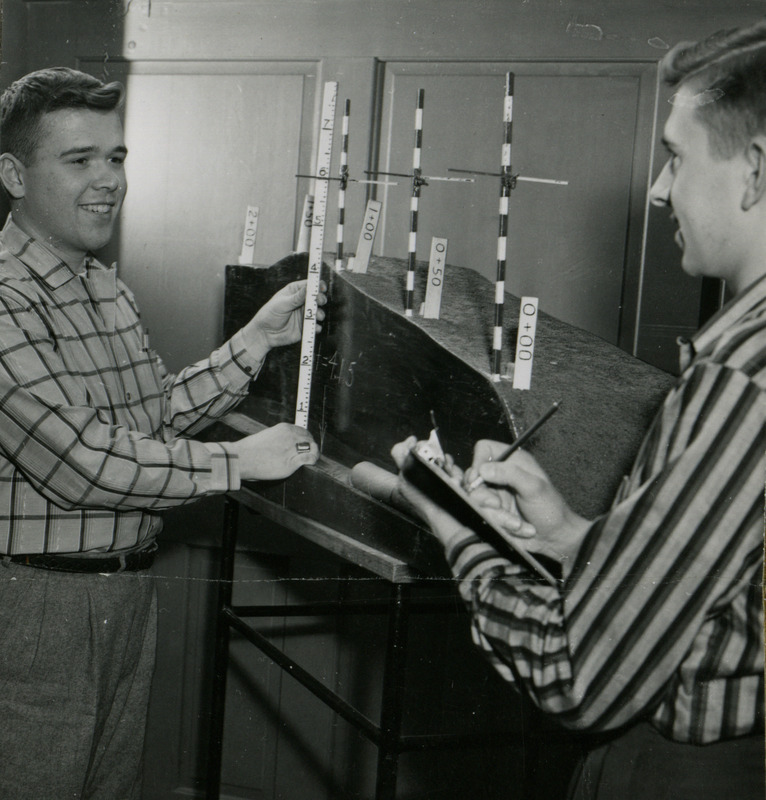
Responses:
[316,243]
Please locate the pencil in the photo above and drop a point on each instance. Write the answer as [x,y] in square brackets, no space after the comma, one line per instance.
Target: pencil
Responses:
[520,442]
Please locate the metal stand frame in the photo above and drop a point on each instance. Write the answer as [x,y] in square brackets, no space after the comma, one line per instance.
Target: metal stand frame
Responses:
[385,735]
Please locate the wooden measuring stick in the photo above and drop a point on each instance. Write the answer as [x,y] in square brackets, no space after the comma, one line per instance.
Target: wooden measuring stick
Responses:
[247,256]
[321,190]
[437,265]
[506,180]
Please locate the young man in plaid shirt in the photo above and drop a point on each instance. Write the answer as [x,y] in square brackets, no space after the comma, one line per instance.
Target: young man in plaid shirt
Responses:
[94,443]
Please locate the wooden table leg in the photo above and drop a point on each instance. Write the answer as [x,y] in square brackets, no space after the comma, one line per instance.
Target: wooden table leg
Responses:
[393,694]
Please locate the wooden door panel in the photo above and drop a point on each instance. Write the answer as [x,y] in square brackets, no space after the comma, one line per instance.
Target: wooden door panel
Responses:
[205,141]
[574,122]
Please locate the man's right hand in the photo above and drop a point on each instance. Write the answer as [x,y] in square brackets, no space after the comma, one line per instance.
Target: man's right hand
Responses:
[558,530]
[274,453]
[442,524]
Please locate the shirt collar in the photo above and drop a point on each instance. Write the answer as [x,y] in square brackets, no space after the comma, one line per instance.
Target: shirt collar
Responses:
[41,259]
[738,307]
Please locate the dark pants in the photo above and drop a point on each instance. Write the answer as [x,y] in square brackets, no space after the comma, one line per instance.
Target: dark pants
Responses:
[76,661]
[644,765]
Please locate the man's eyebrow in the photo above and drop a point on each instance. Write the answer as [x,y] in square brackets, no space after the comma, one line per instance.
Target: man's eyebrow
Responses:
[90,149]
[74,150]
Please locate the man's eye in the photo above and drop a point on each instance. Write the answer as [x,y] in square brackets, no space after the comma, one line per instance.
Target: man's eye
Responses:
[117,159]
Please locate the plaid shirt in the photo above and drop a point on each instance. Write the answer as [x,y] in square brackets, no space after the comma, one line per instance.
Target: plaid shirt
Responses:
[90,421]
[661,615]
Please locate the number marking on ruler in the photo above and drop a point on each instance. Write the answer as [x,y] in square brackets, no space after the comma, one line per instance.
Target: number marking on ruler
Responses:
[321,188]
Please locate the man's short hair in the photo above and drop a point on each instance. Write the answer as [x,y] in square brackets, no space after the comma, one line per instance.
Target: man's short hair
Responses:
[727,73]
[25,102]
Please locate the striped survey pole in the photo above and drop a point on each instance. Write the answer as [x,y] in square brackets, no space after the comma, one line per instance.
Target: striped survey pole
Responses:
[417,182]
[506,186]
[342,187]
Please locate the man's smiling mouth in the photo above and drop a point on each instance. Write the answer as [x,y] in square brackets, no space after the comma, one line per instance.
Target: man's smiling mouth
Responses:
[97,208]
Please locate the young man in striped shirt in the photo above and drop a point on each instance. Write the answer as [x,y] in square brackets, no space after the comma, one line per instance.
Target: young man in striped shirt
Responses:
[94,442]
[655,636]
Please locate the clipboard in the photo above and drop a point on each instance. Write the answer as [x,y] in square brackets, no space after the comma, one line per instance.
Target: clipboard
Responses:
[425,473]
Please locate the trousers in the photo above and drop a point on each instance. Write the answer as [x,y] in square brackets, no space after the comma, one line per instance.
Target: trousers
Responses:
[644,765]
[77,655]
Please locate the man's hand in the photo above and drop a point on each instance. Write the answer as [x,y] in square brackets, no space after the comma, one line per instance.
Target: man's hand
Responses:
[280,320]
[558,531]
[274,453]
[441,523]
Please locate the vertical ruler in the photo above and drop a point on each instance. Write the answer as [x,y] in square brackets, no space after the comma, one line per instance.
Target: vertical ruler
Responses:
[321,188]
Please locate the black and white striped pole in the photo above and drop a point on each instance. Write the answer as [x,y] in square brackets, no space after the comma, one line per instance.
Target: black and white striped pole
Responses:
[417,182]
[507,183]
[342,187]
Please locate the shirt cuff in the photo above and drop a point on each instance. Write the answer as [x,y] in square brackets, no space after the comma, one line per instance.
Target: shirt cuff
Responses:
[236,362]
[469,557]
[224,469]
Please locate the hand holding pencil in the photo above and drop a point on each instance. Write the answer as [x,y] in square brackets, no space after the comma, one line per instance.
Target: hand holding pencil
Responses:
[516,485]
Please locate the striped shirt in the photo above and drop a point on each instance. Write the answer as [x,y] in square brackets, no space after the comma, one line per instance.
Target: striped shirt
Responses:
[91,424]
[661,614]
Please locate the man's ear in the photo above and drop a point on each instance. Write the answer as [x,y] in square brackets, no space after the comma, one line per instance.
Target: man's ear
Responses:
[756,177]
[12,175]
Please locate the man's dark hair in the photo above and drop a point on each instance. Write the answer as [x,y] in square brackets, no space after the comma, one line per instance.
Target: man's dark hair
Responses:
[727,72]
[25,102]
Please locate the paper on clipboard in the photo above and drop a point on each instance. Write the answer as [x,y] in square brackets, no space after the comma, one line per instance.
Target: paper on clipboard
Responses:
[422,471]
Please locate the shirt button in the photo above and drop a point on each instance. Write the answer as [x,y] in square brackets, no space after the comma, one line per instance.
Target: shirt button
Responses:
[127,394]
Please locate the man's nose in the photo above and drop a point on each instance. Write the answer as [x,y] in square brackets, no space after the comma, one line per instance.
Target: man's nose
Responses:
[108,177]
[659,194]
